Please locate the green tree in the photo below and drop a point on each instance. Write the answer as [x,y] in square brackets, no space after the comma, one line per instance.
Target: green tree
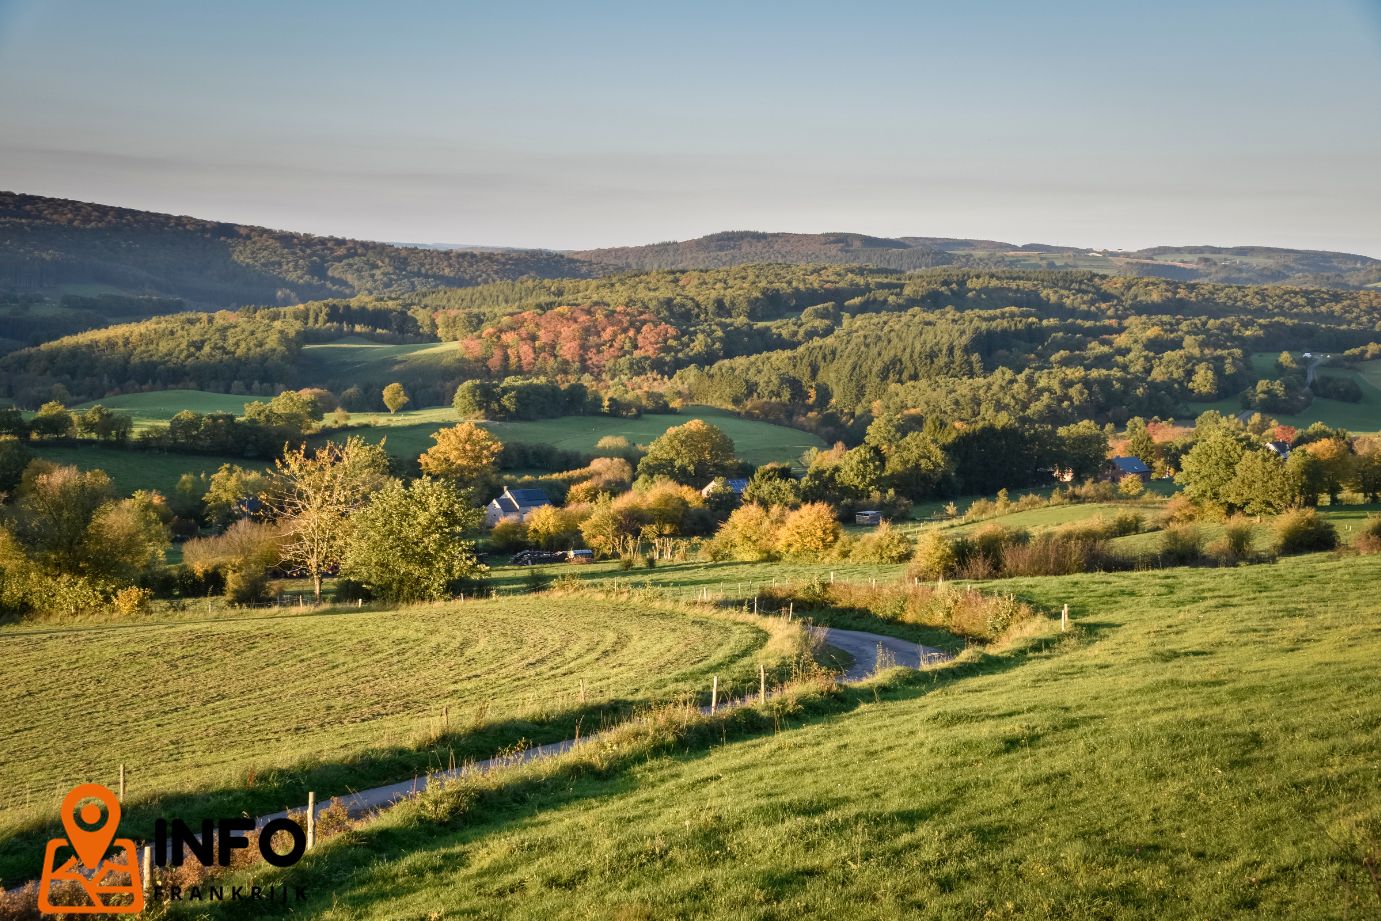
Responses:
[52,421]
[1306,476]
[232,492]
[395,397]
[693,453]
[408,543]
[1210,466]
[917,467]
[1260,484]
[14,457]
[54,510]
[313,495]
[1082,448]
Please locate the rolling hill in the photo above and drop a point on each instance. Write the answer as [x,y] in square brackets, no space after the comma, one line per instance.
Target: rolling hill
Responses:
[57,246]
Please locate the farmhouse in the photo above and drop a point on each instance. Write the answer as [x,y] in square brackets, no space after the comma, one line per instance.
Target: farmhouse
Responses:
[1119,467]
[869,516]
[514,503]
[1280,449]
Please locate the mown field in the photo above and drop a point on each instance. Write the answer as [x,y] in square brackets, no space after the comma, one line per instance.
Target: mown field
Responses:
[1204,745]
[162,405]
[248,712]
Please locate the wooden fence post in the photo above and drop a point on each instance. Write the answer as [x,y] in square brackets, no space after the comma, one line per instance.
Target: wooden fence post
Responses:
[1064,618]
[762,683]
[147,866]
[714,695]
[311,820]
[122,782]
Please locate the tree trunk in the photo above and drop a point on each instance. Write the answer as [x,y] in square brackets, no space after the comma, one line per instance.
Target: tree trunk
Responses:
[316,586]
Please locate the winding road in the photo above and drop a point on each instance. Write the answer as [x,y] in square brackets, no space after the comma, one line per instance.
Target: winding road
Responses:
[863,647]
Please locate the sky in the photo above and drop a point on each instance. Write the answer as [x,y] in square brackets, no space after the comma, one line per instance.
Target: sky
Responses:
[573,125]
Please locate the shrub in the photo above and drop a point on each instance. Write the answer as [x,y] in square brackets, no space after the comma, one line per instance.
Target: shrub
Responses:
[885,545]
[507,535]
[1237,540]
[1127,523]
[1369,538]
[748,534]
[1180,510]
[1181,543]
[1131,486]
[1056,555]
[1303,531]
[810,530]
[246,586]
[991,540]
[132,600]
[935,558]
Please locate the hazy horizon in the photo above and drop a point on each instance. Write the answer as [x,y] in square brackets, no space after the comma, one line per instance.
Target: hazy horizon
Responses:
[548,126]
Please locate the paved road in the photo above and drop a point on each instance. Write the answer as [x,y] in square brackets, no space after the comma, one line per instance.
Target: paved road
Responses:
[863,647]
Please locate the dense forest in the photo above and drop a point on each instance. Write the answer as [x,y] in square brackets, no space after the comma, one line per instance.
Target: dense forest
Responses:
[47,243]
[822,347]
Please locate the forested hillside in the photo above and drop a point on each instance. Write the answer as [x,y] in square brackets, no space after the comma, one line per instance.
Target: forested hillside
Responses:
[47,244]
[1232,265]
[823,347]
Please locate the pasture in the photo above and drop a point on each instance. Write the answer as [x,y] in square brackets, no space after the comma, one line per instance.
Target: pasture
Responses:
[1204,744]
[249,711]
[131,469]
[162,405]
[1360,417]
[409,432]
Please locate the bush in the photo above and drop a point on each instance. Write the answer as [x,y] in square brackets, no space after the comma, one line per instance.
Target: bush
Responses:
[935,558]
[1131,486]
[992,540]
[132,600]
[1180,510]
[1181,543]
[1369,538]
[508,535]
[1055,555]
[885,545]
[809,531]
[1303,531]
[1237,540]
[246,586]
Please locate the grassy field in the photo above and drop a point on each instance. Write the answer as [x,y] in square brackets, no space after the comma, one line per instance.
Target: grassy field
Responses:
[409,432]
[162,405]
[1204,745]
[130,470]
[1360,417]
[244,712]
[355,358]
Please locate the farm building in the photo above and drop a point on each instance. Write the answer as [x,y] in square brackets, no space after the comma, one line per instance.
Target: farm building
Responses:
[514,503]
[871,516]
[1120,467]
[1280,449]
[736,485]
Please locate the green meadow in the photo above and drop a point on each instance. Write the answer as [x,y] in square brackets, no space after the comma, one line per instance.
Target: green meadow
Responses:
[249,711]
[1204,743]
[131,469]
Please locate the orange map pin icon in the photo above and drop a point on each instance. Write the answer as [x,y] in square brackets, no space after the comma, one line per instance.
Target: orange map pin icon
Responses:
[91,845]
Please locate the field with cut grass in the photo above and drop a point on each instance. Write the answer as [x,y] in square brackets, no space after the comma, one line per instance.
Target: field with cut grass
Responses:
[1205,744]
[249,711]
[131,469]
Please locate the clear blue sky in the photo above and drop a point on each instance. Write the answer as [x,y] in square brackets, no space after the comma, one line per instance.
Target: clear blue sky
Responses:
[586,124]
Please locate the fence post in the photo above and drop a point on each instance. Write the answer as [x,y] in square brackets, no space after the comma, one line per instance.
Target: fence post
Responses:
[147,866]
[122,782]
[762,683]
[1064,618]
[582,690]
[755,605]
[831,577]
[311,820]
[714,695]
